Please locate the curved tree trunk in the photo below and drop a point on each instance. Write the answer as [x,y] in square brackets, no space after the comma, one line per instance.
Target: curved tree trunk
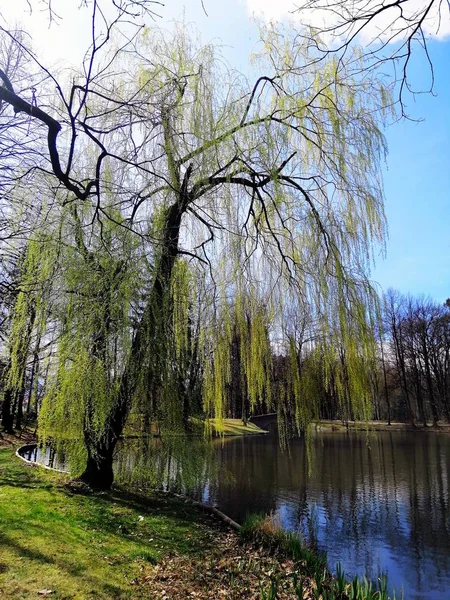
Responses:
[98,473]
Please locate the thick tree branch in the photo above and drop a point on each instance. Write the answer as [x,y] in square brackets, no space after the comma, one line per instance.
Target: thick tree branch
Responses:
[54,127]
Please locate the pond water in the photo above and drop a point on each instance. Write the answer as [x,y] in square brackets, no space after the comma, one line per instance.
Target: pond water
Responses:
[376,503]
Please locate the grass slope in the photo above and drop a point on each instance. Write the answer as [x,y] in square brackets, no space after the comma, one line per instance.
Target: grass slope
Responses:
[80,547]
[118,545]
[226,427]
[234,427]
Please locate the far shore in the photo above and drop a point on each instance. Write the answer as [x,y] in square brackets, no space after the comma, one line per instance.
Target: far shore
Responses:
[340,426]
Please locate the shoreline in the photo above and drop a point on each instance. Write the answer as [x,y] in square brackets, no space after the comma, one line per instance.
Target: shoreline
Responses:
[69,543]
[339,426]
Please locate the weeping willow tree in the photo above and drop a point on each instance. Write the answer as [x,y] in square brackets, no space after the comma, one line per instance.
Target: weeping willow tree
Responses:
[195,197]
[329,368]
[100,274]
[28,321]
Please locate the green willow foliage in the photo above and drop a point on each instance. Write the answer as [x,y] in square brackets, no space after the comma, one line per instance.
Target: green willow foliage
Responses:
[93,300]
[232,204]
[168,463]
[30,307]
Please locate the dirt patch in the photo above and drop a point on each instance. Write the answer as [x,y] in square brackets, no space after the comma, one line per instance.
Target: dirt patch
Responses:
[8,440]
[232,570]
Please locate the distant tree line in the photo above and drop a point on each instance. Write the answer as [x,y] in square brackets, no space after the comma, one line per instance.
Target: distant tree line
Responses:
[409,378]
[413,380]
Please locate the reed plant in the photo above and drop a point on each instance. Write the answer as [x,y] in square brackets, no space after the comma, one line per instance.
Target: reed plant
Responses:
[312,571]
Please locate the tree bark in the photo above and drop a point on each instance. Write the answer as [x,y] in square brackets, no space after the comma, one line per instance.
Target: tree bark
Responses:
[7,415]
[400,360]
[431,396]
[98,473]
[20,398]
[386,393]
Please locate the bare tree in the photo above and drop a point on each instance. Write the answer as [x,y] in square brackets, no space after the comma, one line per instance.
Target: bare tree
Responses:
[393,32]
[417,331]
[131,8]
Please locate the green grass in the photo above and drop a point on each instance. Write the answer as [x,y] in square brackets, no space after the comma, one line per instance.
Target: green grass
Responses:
[234,427]
[80,546]
[226,427]
[339,426]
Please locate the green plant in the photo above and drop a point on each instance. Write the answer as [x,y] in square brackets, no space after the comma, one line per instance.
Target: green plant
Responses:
[272,591]
[297,584]
[268,532]
[382,592]
[340,581]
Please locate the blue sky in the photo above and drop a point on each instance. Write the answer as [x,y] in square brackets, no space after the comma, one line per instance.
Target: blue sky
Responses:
[417,186]
[417,176]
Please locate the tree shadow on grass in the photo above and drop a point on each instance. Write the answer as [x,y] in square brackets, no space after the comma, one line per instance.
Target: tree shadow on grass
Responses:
[155,503]
[98,585]
[21,479]
[16,473]
[176,526]
[168,519]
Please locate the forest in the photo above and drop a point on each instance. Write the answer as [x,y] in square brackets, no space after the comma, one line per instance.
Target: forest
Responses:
[408,381]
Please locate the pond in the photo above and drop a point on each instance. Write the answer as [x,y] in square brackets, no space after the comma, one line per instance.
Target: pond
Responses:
[376,503]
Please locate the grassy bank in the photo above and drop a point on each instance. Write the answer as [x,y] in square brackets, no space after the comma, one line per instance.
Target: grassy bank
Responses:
[78,546]
[119,545]
[59,544]
[230,427]
[339,426]
[222,427]
[315,581]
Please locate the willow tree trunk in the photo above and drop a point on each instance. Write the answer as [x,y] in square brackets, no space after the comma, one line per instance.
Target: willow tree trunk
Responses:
[98,473]
[7,415]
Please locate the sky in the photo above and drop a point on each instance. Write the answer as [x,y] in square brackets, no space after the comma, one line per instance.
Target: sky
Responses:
[417,172]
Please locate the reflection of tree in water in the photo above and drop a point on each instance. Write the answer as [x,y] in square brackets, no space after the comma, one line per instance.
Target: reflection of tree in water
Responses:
[47,456]
[254,483]
[376,501]
[178,463]
[384,505]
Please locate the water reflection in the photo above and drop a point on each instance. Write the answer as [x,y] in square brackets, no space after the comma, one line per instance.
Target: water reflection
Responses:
[180,463]
[47,457]
[376,503]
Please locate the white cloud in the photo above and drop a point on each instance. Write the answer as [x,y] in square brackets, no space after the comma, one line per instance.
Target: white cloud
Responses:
[386,25]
